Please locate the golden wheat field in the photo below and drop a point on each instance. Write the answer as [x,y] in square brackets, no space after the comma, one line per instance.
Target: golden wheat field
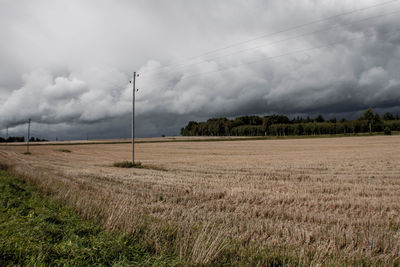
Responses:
[309,201]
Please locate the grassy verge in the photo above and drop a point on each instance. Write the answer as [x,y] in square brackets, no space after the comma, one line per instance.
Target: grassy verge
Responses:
[37,231]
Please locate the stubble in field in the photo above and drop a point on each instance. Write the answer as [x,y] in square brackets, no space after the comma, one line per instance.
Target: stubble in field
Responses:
[308,201]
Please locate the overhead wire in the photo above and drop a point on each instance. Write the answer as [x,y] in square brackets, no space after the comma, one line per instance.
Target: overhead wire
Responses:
[284,40]
[290,53]
[276,33]
[279,56]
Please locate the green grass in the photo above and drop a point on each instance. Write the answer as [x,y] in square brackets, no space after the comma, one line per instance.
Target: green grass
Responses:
[37,231]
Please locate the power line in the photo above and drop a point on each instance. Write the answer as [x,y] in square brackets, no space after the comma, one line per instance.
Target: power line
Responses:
[290,53]
[281,55]
[277,32]
[283,40]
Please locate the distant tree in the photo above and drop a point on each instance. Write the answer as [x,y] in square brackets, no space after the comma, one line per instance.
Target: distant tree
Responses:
[238,122]
[276,119]
[12,139]
[378,123]
[369,117]
[319,118]
[387,131]
[218,126]
[300,130]
[280,125]
[255,120]
[191,129]
[377,118]
[298,119]
[388,116]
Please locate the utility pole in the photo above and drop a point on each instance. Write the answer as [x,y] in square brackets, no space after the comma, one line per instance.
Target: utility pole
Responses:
[29,134]
[133,116]
[7,137]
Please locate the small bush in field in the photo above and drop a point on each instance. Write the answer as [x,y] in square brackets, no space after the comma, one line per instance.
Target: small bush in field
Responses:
[128,164]
[64,150]
[138,165]
[387,131]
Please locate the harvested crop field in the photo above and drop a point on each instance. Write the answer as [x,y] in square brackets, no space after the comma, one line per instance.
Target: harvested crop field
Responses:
[297,201]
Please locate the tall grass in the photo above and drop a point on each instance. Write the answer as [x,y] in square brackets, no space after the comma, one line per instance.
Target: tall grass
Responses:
[37,232]
[192,245]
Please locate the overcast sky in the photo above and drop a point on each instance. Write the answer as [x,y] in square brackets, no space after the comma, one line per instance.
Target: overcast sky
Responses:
[66,64]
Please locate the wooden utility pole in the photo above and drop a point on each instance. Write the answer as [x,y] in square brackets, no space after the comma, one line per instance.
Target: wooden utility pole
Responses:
[7,136]
[133,116]
[29,136]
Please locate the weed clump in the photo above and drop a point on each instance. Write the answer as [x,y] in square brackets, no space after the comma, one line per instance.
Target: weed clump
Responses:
[138,165]
[64,150]
[128,164]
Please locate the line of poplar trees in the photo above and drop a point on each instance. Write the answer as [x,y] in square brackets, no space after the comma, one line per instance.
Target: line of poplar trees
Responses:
[280,125]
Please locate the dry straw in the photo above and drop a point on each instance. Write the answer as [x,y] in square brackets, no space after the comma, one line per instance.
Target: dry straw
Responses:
[318,202]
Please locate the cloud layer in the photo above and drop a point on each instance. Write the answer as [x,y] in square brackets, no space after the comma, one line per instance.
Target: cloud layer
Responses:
[67,65]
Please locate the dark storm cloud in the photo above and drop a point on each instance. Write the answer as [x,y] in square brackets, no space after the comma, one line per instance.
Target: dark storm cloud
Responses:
[67,64]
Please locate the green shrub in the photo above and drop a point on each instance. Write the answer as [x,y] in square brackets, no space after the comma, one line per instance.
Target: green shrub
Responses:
[387,131]
[128,164]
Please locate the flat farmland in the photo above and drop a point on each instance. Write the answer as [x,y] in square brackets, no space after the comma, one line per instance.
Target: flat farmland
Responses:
[296,201]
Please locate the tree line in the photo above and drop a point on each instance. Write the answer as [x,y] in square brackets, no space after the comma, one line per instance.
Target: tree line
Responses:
[280,125]
[14,139]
